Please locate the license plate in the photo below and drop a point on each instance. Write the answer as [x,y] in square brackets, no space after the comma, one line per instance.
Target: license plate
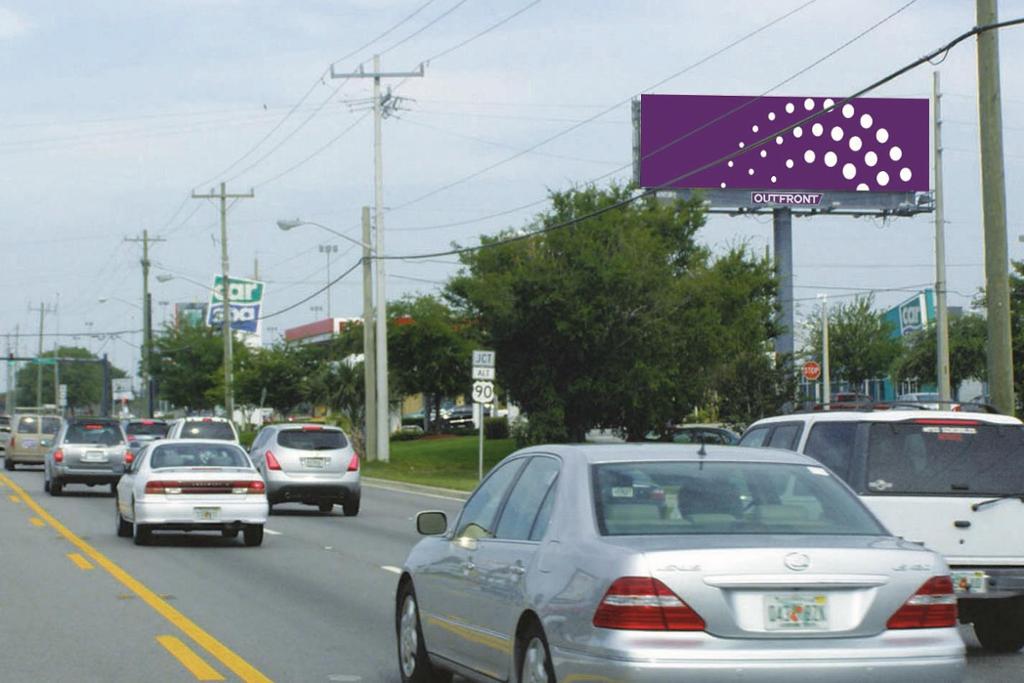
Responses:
[970,582]
[795,612]
[206,514]
[314,462]
[94,456]
[29,443]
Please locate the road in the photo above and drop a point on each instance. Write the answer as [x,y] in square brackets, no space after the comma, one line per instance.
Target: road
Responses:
[314,603]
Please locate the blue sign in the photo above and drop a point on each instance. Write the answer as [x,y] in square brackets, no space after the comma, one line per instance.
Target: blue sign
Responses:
[244,317]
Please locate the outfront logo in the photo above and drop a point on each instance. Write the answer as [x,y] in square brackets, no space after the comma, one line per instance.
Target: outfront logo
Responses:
[786,198]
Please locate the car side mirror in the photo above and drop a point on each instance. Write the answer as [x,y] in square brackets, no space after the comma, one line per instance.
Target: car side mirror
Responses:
[431,523]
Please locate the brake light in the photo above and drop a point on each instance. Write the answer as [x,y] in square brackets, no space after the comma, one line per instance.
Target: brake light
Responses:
[312,428]
[658,495]
[148,422]
[353,464]
[128,458]
[58,455]
[160,486]
[640,603]
[93,427]
[272,463]
[932,606]
[254,486]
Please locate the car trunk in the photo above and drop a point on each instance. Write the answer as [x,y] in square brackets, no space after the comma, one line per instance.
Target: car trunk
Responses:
[312,451]
[92,456]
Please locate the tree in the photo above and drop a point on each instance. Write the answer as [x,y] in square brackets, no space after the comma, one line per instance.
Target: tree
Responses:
[429,349]
[272,377]
[968,335]
[84,380]
[188,365]
[862,343]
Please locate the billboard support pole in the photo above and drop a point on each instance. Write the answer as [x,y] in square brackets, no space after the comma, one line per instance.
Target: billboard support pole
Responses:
[782,233]
[941,317]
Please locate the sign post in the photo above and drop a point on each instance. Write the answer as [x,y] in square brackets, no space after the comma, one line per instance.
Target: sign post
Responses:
[483,392]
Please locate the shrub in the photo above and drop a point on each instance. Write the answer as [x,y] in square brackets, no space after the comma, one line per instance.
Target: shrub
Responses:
[496,427]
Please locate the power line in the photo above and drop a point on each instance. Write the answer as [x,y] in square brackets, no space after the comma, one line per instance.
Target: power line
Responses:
[423,28]
[484,32]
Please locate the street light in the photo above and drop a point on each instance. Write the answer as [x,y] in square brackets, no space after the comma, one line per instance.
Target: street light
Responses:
[375,350]
[105,299]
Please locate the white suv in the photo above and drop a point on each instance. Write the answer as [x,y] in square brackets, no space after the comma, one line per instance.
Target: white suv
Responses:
[218,428]
[953,481]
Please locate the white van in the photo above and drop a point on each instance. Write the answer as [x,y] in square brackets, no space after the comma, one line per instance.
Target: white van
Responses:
[953,481]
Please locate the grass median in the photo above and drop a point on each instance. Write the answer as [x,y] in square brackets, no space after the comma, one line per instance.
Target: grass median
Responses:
[446,461]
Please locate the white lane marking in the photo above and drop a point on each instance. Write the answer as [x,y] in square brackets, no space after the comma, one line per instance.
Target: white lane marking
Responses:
[416,493]
[272,532]
[344,677]
[393,570]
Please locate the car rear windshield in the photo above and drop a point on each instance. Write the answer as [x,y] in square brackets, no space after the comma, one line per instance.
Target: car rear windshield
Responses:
[208,430]
[655,498]
[197,455]
[950,457]
[312,440]
[148,428]
[93,433]
[29,424]
[51,425]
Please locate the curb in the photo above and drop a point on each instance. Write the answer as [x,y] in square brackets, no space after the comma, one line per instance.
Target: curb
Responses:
[416,488]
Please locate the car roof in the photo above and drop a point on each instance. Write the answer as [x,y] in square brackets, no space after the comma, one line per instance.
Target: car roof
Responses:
[888,416]
[204,418]
[315,426]
[192,442]
[640,452]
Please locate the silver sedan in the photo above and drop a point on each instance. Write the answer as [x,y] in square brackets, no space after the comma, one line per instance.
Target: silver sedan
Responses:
[191,485]
[751,566]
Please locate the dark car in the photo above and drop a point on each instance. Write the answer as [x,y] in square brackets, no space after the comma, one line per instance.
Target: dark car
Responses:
[145,430]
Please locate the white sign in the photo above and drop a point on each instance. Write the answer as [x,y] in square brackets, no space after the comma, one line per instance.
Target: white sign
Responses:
[62,395]
[483,359]
[122,389]
[483,373]
[483,392]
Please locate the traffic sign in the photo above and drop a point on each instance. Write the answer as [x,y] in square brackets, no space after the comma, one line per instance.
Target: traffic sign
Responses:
[44,361]
[62,395]
[812,371]
[483,373]
[483,359]
[483,392]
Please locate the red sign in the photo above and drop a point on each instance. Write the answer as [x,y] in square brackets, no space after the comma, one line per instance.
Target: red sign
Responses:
[812,371]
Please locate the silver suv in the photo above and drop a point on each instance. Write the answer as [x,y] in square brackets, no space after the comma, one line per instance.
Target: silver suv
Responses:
[87,450]
[953,481]
[308,463]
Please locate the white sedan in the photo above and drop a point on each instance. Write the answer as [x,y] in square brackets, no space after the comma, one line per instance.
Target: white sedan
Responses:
[191,485]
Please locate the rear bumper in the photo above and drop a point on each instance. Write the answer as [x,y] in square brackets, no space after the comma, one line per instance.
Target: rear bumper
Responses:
[182,515]
[313,488]
[1002,582]
[69,475]
[25,458]
[924,656]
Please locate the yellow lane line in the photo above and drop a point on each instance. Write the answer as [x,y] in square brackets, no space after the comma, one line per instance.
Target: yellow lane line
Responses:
[35,521]
[189,659]
[14,498]
[221,652]
[83,564]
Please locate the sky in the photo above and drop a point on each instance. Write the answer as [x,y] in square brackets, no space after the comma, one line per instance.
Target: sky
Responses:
[114,111]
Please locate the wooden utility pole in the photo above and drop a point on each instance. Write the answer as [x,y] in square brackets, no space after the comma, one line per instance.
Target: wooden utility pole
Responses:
[147,320]
[941,311]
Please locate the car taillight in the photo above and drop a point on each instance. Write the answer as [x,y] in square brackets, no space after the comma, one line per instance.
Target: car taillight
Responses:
[254,486]
[658,494]
[639,603]
[128,458]
[11,444]
[353,464]
[58,455]
[932,606]
[159,486]
[272,463]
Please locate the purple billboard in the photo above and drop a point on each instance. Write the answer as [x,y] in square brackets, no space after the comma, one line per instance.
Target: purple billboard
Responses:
[868,144]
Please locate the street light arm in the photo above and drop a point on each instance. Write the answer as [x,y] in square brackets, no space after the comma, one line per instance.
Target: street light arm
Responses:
[294,223]
[167,277]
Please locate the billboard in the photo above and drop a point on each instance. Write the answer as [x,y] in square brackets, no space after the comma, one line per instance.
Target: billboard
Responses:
[246,302]
[189,313]
[877,145]
[912,315]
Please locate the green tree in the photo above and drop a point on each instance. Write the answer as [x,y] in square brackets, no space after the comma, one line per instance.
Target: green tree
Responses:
[272,377]
[188,365]
[862,344]
[968,336]
[84,380]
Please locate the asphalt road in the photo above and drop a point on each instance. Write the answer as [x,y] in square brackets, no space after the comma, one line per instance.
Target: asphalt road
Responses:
[314,603]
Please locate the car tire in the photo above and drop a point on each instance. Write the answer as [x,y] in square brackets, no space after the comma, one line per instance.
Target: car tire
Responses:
[8,464]
[46,484]
[533,660]
[253,535]
[229,533]
[113,489]
[124,527]
[351,506]
[326,507]
[999,631]
[142,534]
[413,663]
[56,488]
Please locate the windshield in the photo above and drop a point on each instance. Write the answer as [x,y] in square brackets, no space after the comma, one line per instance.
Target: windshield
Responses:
[951,457]
[146,428]
[198,455]
[312,440]
[51,425]
[208,430]
[649,498]
[97,434]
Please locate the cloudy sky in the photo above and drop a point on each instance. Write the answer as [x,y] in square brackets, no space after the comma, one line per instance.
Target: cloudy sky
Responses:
[113,111]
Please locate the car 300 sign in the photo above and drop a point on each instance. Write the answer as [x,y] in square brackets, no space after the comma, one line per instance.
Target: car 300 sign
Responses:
[483,392]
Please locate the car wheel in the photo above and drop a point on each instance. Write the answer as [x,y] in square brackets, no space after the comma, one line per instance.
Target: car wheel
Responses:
[999,631]
[229,533]
[8,464]
[141,533]
[124,527]
[56,488]
[413,663]
[534,662]
[46,483]
[326,507]
[113,489]
[351,506]
[253,535]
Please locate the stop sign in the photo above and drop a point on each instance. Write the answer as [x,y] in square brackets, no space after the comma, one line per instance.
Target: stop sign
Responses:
[812,371]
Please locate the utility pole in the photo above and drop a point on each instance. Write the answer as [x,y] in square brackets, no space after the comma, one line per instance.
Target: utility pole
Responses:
[369,356]
[941,312]
[382,106]
[993,201]
[223,196]
[329,249]
[147,320]
[43,309]
[10,401]
[826,377]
